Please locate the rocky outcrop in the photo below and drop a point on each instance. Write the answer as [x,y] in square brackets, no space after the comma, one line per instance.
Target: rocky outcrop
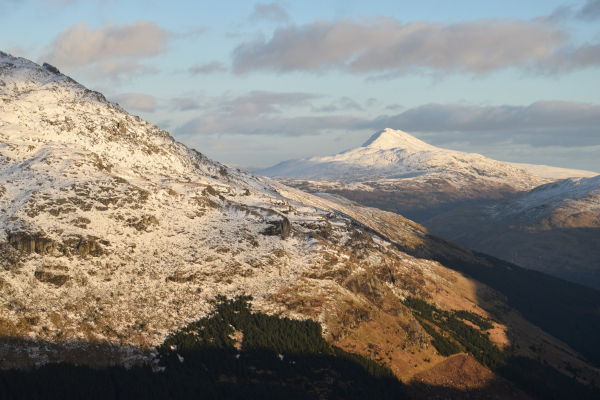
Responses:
[51,68]
[28,243]
[143,223]
[370,287]
[53,275]
[279,228]
[89,245]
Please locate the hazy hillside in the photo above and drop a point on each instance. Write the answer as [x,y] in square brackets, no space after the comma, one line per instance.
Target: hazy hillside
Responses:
[554,229]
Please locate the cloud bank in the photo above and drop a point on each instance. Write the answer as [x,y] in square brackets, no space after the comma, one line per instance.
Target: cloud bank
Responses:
[540,124]
[385,46]
[111,50]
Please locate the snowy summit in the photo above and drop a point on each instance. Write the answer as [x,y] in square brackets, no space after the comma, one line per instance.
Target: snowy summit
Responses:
[393,154]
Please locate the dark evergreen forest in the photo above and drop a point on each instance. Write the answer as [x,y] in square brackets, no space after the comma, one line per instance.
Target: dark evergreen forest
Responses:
[451,335]
[281,358]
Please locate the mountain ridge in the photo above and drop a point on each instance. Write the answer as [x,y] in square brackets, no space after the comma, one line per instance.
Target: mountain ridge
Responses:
[397,172]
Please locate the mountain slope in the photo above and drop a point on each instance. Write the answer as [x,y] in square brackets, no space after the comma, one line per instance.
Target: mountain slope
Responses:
[114,236]
[553,229]
[397,172]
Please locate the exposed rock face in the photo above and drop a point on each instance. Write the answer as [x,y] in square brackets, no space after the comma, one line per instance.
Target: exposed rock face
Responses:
[51,68]
[280,228]
[31,243]
[51,277]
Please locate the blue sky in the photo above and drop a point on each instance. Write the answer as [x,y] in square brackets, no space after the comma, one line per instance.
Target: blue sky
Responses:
[252,84]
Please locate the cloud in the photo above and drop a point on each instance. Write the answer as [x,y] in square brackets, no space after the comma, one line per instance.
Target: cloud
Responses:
[343,104]
[388,47]
[208,68]
[111,50]
[394,107]
[261,102]
[185,103]
[136,101]
[270,12]
[371,102]
[262,112]
[540,124]
[192,33]
[284,126]
[590,11]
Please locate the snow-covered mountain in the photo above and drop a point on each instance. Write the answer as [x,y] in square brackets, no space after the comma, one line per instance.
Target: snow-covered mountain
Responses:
[112,235]
[392,154]
[570,198]
[397,172]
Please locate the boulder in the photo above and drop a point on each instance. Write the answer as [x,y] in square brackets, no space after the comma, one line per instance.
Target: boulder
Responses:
[281,227]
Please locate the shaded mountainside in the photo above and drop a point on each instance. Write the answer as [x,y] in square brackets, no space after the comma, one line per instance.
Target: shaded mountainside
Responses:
[553,229]
[114,236]
[232,354]
[415,199]
[396,172]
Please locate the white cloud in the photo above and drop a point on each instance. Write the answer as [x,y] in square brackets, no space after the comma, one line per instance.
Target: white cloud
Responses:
[111,50]
[388,47]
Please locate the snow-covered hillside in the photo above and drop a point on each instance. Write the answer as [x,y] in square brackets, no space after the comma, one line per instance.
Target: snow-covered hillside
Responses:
[552,228]
[568,197]
[114,233]
[546,171]
[392,154]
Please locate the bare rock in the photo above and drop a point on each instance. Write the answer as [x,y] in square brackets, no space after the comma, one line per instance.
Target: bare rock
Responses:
[28,243]
[281,227]
[51,277]
[51,68]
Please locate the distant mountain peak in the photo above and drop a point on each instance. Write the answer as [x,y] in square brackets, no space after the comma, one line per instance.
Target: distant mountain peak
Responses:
[393,139]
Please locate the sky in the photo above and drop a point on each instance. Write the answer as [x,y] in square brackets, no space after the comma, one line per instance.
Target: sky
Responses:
[253,84]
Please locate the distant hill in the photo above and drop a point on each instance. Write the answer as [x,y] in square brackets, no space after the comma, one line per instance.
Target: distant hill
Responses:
[546,171]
